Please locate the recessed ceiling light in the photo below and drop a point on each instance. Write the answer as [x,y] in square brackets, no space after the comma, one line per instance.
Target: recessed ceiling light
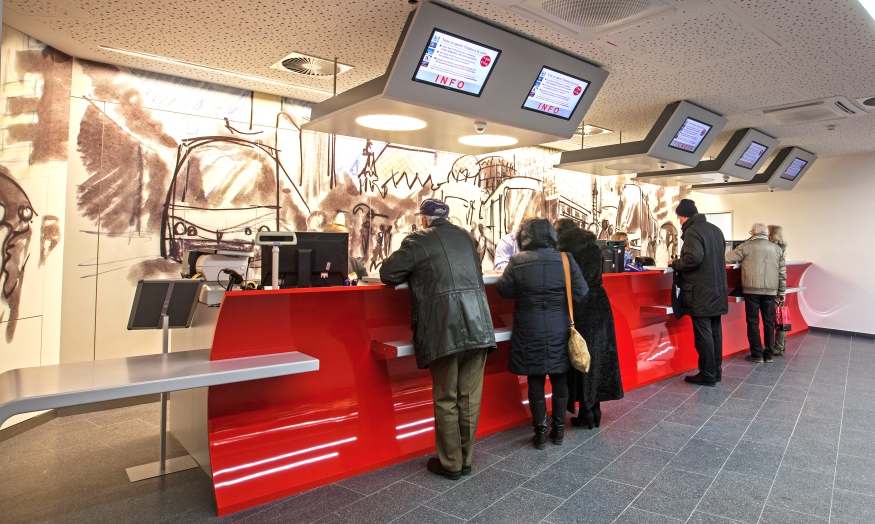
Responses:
[488,140]
[390,122]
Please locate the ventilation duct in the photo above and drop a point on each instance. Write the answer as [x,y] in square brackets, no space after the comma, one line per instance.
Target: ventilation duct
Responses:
[310,65]
[837,107]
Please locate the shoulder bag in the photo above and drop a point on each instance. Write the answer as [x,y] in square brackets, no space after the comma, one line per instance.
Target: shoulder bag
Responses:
[578,353]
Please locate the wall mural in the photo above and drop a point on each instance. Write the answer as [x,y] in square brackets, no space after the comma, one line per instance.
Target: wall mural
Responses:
[162,165]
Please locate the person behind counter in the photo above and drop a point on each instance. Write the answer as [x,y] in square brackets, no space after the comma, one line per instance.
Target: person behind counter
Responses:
[507,246]
[703,289]
[627,253]
[776,235]
[764,281]
[354,263]
[594,321]
[535,279]
[452,328]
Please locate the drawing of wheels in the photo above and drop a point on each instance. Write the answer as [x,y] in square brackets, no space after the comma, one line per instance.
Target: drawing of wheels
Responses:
[179,228]
[191,231]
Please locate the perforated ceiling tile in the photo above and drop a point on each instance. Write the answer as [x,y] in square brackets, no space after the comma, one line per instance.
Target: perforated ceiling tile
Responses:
[737,54]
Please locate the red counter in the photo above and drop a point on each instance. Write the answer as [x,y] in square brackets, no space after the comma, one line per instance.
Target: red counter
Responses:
[275,437]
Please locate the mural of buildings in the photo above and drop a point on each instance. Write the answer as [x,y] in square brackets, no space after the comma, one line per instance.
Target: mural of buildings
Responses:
[120,176]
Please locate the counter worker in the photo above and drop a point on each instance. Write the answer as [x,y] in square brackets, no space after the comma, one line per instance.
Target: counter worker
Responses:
[507,246]
[764,281]
[354,263]
[627,254]
[452,328]
[703,289]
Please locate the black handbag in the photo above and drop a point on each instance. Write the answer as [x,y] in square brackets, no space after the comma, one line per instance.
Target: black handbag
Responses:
[677,301]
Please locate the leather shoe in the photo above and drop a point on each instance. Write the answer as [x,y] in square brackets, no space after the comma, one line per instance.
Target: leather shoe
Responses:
[466,470]
[756,360]
[699,380]
[434,465]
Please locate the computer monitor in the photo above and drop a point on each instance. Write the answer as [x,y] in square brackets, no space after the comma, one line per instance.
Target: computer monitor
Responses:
[317,260]
[613,255]
[732,244]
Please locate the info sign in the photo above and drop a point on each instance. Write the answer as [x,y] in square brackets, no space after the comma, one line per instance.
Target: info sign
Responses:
[555,93]
[452,62]
[751,155]
[794,169]
[690,135]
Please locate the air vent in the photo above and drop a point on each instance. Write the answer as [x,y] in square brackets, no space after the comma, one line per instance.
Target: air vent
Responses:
[868,102]
[594,13]
[812,111]
[309,65]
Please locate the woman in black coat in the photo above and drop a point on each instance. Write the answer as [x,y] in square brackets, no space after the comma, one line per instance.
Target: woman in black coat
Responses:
[535,278]
[594,320]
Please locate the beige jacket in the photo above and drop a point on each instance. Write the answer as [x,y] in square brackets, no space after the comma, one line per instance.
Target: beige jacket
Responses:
[763,268]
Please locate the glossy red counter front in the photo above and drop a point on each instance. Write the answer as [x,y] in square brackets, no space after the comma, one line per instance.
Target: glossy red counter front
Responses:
[275,437]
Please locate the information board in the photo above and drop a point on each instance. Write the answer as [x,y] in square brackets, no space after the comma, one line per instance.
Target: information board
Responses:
[690,135]
[793,169]
[455,63]
[555,93]
[751,155]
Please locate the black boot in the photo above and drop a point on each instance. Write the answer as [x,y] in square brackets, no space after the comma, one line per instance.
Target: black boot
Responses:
[557,434]
[539,422]
[597,414]
[584,418]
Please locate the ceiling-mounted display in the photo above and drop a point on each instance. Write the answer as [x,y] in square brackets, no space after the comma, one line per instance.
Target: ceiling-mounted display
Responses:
[782,174]
[690,135]
[793,170]
[751,155]
[555,93]
[455,63]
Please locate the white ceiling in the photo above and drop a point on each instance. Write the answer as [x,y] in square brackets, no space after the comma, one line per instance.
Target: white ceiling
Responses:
[730,56]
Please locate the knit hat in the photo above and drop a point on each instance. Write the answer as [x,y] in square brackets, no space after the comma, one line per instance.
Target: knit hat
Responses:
[686,208]
[434,207]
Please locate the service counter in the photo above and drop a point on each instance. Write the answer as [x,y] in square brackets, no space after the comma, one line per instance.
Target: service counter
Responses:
[366,408]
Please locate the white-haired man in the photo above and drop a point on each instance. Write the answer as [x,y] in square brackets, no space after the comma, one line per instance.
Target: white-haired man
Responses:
[764,280]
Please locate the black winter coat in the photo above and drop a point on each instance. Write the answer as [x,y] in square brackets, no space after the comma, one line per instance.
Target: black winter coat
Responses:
[594,321]
[448,307]
[702,267]
[535,278]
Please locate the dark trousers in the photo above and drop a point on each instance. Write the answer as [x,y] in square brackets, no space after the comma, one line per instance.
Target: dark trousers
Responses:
[557,380]
[708,335]
[756,306]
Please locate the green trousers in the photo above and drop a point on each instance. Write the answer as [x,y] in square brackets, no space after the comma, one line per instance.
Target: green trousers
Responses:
[780,340]
[457,385]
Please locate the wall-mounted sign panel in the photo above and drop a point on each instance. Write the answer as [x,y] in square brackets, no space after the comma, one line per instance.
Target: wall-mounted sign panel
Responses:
[743,155]
[784,172]
[679,138]
[449,71]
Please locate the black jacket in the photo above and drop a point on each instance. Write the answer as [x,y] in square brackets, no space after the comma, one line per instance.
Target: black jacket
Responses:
[535,278]
[448,308]
[702,268]
[594,320]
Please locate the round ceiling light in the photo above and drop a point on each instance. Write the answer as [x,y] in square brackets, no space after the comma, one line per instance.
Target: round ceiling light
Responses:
[488,140]
[390,122]
[632,168]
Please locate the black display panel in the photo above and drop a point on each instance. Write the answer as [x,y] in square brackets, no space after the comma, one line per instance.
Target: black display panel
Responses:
[751,155]
[793,170]
[690,135]
[455,63]
[555,93]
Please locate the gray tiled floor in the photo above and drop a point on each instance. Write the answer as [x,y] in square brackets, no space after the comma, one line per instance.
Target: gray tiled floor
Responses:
[789,442]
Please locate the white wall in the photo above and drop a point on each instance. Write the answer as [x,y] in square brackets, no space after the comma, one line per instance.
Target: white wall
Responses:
[828,220]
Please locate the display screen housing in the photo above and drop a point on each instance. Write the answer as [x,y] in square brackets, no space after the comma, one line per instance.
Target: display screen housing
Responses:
[690,135]
[793,170]
[455,63]
[555,93]
[751,155]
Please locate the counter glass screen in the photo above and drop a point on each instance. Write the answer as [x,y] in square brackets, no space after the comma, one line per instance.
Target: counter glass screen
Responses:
[456,63]
[751,155]
[690,135]
[794,169]
[555,93]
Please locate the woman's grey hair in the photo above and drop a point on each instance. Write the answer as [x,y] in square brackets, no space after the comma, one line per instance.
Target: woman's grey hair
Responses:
[429,220]
[776,235]
[759,229]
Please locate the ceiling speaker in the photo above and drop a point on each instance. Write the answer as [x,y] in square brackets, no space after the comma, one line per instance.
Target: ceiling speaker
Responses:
[310,65]
[594,13]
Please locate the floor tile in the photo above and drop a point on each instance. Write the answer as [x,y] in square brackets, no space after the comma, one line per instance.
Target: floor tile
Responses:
[528,460]
[608,444]
[857,443]
[376,480]
[599,502]
[700,517]
[566,476]
[811,455]
[781,410]
[723,429]
[311,505]
[763,379]
[855,474]
[860,401]
[507,442]
[425,515]
[474,495]
[519,506]
[668,436]
[691,413]
[665,401]
[637,516]
[814,428]
[773,515]
[428,480]
[748,391]
[673,493]
[637,466]
[823,409]
[612,411]
[755,459]
[639,420]
[702,457]
[859,419]
[386,504]
[852,508]
[802,491]
[641,394]
[769,431]
[739,408]
[736,496]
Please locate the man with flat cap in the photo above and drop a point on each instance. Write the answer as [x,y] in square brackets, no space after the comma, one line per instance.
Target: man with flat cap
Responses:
[702,268]
[452,328]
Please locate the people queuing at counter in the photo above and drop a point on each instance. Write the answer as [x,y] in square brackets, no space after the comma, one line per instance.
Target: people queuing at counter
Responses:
[453,331]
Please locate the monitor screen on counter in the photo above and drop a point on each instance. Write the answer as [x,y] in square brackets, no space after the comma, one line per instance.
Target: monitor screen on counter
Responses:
[456,63]
[793,170]
[751,155]
[555,93]
[690,135]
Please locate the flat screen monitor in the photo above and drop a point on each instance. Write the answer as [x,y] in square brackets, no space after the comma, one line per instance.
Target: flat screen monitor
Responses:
[690,135]
[793,170]
[751,155]
[455,63]
[555,93]
[613,255]
[318,260]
